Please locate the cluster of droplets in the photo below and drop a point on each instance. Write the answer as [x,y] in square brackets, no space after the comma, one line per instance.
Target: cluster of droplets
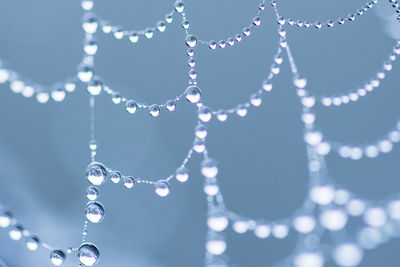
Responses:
[134,36]
[373,83]
[329,23]
[26,88]
[237,38]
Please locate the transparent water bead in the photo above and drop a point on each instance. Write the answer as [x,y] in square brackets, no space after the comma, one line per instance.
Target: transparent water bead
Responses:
[217,220]
[201,131]
[5,219]
[179,6]
[212,45]
[221,115]
[161,26]
[94,212]
[154,110]
[209,168]
[182,174]
[192,74]
[204,114]
[216,245]
[85,73]
[42,97]
[170,105]
[88,254]
[58,95]
[309,259]
[16,232]
[87,4]
[262,231]
[256,21]
[191,41]
[240,227]
[57,257]
[323,194]
[95,86]
[90,46]
[148,33]
[211,187]
[304,224]
[133,37]
[96,173]
[129,182]
[333,219]
[193,94]
[116,98]
[90,23]
[300,81]
[185,24]
[162,188]
[199,145]
[115,177]
[92,193]
[32,243]
[168,18]
[131,106]
[348,255]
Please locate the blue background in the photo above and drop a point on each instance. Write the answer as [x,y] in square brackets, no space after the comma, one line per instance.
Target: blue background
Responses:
[263,171]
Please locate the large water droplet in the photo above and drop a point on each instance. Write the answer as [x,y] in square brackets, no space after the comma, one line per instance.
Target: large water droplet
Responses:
[57,257]
[209,168]
[162,188]
[193,94]
[191,40]
[88,254]
[96,173]
[94,212]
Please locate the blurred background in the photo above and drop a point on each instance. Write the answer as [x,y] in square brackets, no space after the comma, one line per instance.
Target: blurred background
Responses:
[263,173]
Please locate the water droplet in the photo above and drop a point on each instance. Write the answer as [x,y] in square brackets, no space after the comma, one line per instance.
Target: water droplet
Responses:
[131,106]
[347,255]
[129,182]
[216,245]
[262,231]
[5,219]
[16,232]
[162,188]
[182,174]
[154,110]
[211,187]
[87,4]
[209,168]
[199,145]
[88,254]
[185,24]
[300,81]
[57,257]
[116,98]
[212,45]
[96,173]
[161,26]
[94,212]
[246,31]
[256,21]
[58,94]
[192,74]
[32,243]
[191,40]
[201,131]
[241,110]
[85,73]
[95,86]
[89,23]
[255,100]
[115,177]
[309,259]
[92,193]
[333,219]
[90,46]
[204,114]
[217,220]
[168,18]
[133,37]
[170,105]
[179,6]
[148,33]
[42,97]
[221,115]
[193,94]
